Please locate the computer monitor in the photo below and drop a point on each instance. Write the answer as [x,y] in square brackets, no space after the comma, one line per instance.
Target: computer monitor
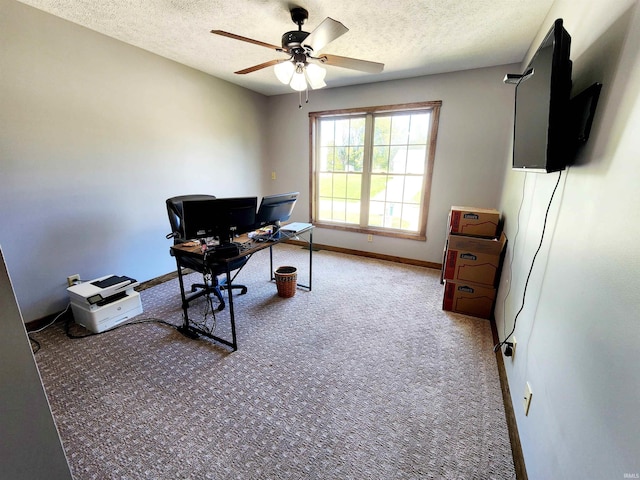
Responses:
[275,209]
[221,217]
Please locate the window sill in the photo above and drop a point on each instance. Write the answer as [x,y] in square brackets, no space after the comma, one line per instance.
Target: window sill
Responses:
[372,231]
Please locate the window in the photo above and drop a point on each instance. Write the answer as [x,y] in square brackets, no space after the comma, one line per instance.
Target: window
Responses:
[371,168]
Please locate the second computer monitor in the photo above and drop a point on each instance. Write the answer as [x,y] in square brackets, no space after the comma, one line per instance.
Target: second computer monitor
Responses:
[220,217]
[275,209]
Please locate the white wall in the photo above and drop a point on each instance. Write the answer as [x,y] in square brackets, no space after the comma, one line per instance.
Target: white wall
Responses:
[579,332]
[472,142]
[94,136]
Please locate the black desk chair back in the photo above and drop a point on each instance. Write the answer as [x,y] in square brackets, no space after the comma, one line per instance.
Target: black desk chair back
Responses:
[214,285]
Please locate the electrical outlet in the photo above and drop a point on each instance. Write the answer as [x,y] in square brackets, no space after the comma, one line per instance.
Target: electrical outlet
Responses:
[73,279]
[369,238]
[527,398]
[510,348]
[273,175]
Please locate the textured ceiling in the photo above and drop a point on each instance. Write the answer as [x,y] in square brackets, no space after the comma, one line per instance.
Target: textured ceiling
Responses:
[411,37]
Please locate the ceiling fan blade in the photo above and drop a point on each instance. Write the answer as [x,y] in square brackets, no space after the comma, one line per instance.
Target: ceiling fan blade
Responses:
[245,39]
[260,67]
[352,63]
[324,33]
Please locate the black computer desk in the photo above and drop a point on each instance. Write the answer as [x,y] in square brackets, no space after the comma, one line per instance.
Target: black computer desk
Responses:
[249,247]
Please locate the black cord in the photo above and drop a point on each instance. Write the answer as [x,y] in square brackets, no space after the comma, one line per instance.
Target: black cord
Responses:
[533,261]
[67,327]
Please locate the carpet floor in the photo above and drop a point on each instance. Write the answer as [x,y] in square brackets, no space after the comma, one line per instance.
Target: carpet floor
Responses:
[364,377]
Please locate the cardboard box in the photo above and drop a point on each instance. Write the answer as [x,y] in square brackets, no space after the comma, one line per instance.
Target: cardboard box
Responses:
[469,299]
[474,221]
[473,259]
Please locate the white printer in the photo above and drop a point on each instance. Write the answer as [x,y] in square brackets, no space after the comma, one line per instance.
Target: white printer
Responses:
[105,302]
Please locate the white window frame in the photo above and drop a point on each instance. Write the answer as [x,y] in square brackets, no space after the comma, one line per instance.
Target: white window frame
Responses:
[314,118]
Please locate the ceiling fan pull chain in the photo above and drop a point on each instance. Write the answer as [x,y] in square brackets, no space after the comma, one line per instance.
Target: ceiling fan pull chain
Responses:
[299,99]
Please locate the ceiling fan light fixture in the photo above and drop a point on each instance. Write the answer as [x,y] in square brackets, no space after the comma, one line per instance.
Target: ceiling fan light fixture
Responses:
[301,47]
[284,71]
[315,76]
[298,81]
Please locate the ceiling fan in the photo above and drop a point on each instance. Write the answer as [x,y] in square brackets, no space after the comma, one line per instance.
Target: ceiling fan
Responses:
[303,63]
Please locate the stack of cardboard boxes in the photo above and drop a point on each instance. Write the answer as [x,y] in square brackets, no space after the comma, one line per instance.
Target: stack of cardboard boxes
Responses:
[472,261]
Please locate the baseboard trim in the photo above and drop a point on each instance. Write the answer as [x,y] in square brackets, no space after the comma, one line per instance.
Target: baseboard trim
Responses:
[361,253]
[512,425]
[39,323]
[158,280]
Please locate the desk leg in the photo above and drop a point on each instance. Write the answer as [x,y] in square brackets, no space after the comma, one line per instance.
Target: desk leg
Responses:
[310,257]
[194,332]
[184,329]
[308,287]
[272,276]
[232,317]
[185,304]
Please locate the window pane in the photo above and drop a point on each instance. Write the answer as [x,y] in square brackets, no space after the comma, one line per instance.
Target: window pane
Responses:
[327,155]
[376,213]
[419,132]
[338,210]
[357,131]
[412,190]
[325,184]
[324,208]
[342,132]
[327,136]
[393,215]
[356,157]
[411,217]
[416,159]
[395,189]
[382,130]
[341,158]
[398,162]
[353,211]
[378,186]
[380,159]
[400,129]
[354,186]
[340,185]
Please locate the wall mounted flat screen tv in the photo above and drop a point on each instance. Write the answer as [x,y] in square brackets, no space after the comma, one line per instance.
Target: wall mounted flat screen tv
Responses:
[542,138]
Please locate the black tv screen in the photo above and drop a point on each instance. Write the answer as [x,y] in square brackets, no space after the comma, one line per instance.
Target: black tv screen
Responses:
[542,135]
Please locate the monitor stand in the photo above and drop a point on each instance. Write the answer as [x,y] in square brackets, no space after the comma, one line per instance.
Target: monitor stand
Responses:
[275,233]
